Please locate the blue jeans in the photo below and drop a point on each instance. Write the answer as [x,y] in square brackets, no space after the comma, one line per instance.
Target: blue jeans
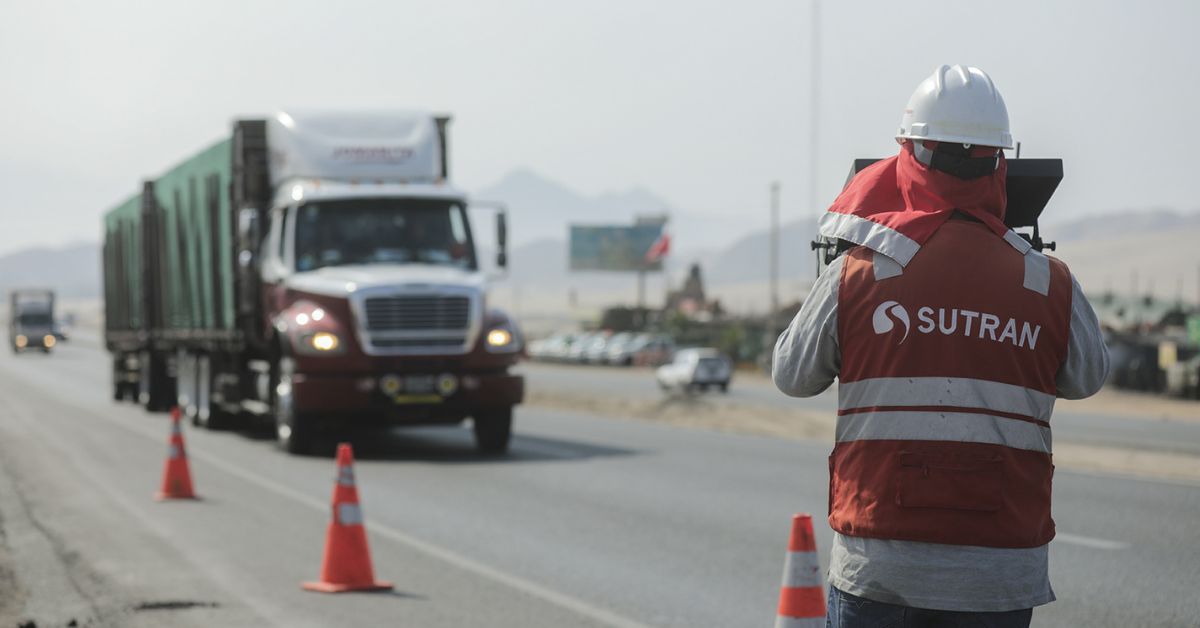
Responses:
[851,611]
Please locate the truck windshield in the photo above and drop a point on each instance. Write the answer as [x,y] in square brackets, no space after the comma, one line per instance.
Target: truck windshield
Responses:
[34,319]
[382,231]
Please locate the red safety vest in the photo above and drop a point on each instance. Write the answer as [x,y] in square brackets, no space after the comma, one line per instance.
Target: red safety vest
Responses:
[946,388]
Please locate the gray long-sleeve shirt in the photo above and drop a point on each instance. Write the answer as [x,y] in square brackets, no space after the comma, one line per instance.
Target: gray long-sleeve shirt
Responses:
[807,360]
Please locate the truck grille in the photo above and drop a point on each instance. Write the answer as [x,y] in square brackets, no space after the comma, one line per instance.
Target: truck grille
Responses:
[418,324]
[417,313]
[404,343]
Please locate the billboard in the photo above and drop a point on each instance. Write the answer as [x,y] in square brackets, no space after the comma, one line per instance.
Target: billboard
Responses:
[614,248]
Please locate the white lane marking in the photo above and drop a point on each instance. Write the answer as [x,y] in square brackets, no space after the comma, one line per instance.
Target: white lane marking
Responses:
[572,604]
[562,600]
[1092,542]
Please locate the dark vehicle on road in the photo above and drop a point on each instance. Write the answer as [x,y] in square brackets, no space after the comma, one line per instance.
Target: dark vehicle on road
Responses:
[31,320]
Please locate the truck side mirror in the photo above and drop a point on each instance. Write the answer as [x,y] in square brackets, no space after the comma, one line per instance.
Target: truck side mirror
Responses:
[502,239]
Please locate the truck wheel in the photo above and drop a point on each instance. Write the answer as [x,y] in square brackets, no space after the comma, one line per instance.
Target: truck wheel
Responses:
[493,430]
[208,414]
[156,390]
[291,430]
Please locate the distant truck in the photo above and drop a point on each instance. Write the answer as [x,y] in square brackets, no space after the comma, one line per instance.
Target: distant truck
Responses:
[31,320]
[312,271]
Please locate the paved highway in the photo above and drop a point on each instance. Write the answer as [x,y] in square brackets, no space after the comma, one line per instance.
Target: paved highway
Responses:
[591,521]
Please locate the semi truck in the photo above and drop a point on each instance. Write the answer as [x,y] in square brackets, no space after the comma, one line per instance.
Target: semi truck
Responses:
[311,271]
[31,320]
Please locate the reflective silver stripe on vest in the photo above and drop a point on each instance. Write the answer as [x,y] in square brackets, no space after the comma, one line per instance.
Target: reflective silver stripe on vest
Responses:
[955,392]
[944,426]
[870,234]
[1037,272]
[1020,244]
[885,267]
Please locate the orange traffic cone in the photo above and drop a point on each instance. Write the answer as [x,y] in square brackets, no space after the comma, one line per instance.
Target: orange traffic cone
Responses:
[347,562]
[177,479]
[802,598]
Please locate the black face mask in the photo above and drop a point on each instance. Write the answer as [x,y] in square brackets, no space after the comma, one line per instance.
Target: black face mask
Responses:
[956,160]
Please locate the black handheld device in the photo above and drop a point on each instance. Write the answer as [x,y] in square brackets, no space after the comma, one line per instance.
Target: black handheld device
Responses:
[1029,185]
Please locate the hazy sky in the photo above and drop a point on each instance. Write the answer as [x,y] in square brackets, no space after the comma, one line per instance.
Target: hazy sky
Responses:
[701,102]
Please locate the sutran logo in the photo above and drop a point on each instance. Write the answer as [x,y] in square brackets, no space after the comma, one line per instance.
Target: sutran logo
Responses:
[957,322]
[882,319]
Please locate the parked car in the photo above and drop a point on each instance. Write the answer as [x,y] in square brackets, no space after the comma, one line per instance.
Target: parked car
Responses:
[615,347]
[597,353]
[651,350]
[696,369]
[593,351]
[553,348]
[577,351]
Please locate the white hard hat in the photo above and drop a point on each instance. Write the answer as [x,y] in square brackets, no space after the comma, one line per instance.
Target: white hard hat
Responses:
[957,104]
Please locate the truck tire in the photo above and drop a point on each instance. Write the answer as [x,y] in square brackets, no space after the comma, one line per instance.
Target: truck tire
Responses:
[292,430]
[118,384]
[185,384]
[493,430]
[156,391]
[208,414]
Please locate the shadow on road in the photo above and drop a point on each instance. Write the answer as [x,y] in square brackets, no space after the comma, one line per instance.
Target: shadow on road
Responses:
[451,445]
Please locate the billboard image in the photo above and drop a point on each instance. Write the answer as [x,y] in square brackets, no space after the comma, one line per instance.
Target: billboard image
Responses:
[614,248]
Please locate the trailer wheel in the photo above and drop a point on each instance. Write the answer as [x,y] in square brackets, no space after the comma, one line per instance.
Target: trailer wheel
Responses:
[208,414]
[156,388]
[493,430]
[292,430]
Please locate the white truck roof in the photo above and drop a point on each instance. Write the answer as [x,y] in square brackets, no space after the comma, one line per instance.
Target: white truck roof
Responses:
[395,146]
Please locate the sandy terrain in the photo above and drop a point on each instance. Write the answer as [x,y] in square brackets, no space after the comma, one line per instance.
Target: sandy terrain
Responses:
[712,413]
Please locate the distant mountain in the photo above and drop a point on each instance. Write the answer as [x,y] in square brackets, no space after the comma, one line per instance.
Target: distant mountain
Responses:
[1120,223]
[747,259]
[539,209]
[71,271]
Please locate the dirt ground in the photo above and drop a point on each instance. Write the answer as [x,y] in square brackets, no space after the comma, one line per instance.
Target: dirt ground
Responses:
[710,413]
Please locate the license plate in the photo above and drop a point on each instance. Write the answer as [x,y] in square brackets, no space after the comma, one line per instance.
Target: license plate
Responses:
[417,384]
[411,399]
[410,389]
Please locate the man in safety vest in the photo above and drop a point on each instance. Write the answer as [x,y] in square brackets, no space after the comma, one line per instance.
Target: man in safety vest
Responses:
[951,338]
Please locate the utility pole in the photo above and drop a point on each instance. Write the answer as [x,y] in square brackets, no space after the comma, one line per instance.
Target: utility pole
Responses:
[770,325]
[814,107]
[640,314]
[774,253]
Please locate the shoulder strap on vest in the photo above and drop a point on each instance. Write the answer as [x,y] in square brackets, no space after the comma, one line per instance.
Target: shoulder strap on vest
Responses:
[1037,266]
[886,267]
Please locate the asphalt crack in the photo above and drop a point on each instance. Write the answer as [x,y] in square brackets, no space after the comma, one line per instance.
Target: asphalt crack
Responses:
[173,605]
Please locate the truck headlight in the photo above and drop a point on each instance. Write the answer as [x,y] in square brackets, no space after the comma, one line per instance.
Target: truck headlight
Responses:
[502,340]
[499,338]
[48,340]
[321,343]
[324,341]
[20,341]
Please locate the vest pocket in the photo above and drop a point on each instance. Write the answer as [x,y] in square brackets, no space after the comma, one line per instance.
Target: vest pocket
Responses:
[947,480]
